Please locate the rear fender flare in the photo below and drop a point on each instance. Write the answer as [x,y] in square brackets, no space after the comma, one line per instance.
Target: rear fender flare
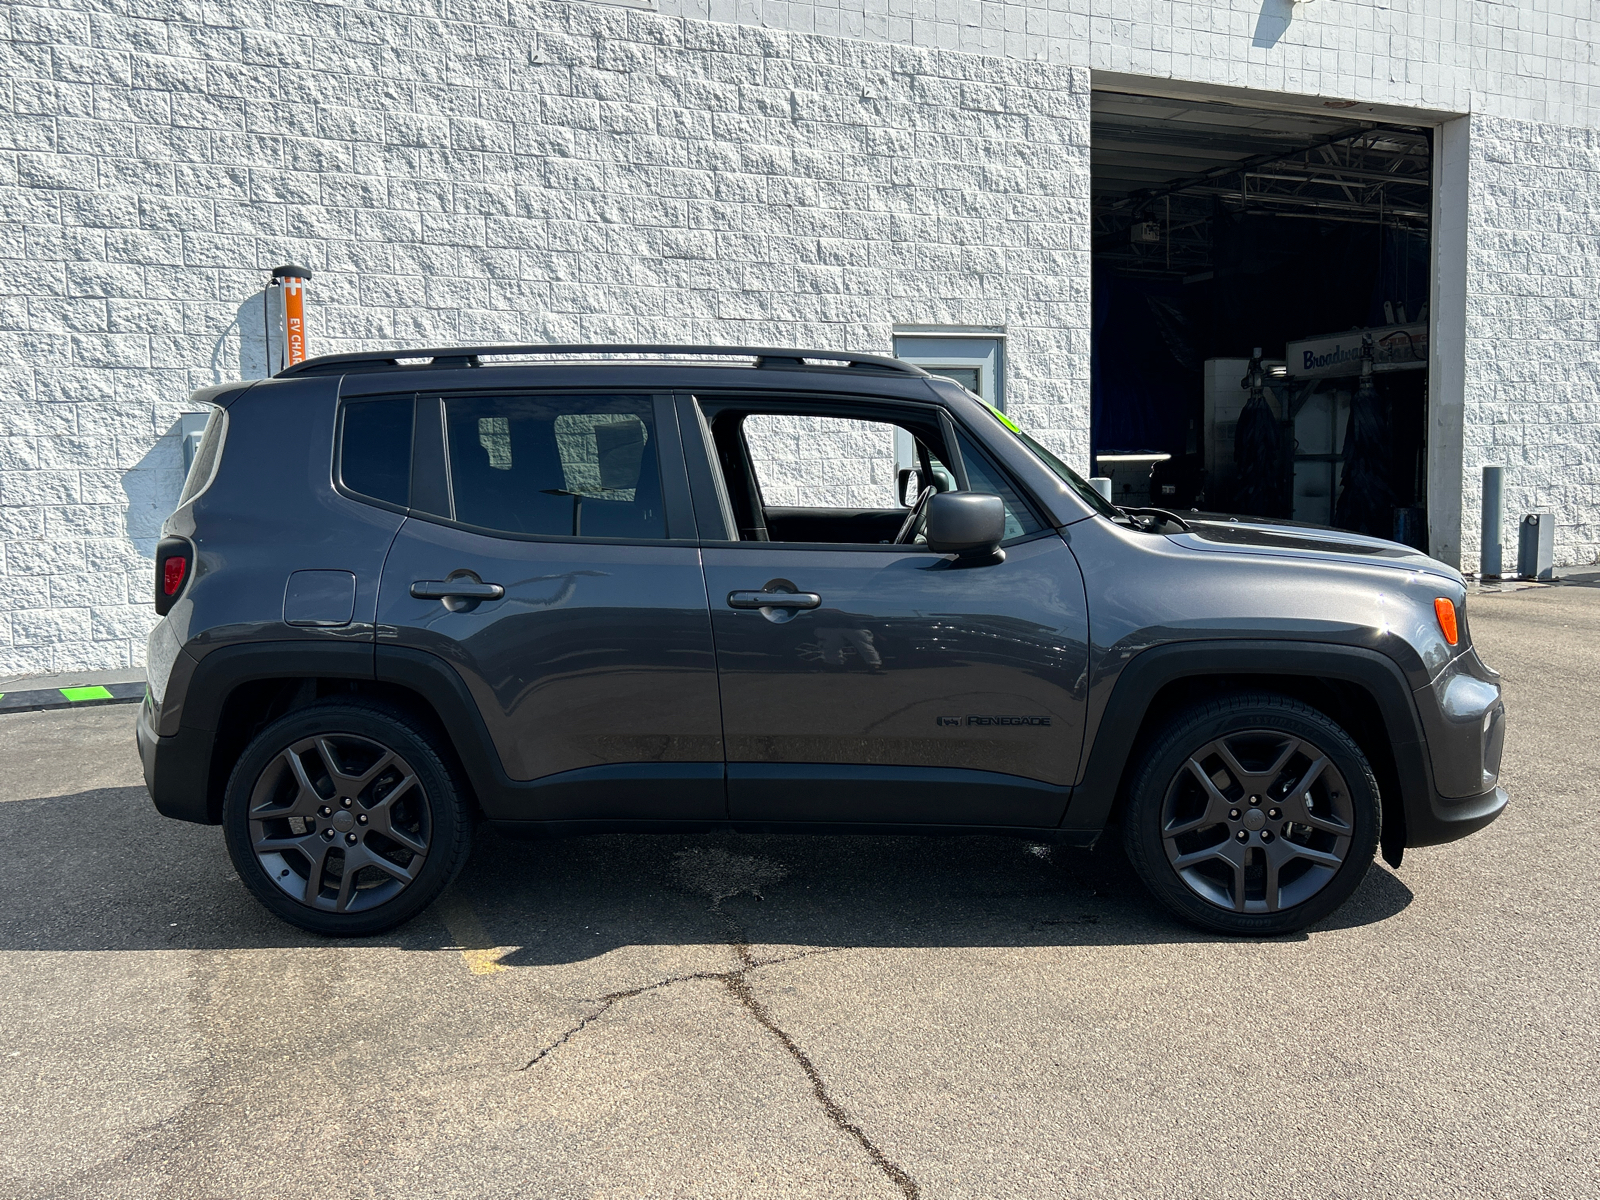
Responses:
[191,776]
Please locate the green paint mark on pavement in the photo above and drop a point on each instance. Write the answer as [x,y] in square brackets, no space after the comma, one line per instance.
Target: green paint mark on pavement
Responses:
[86,693]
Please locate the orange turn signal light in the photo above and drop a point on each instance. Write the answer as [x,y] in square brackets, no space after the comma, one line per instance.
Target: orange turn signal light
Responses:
[1446,612]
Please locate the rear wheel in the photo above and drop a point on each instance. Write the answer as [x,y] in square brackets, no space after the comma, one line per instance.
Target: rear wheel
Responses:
[342,818]
[1254,815]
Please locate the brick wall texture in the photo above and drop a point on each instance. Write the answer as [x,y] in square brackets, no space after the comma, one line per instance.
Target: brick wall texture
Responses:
[558,172]
[722,170]
[1532,396]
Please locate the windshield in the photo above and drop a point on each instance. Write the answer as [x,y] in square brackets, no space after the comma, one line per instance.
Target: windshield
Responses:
[1066,474]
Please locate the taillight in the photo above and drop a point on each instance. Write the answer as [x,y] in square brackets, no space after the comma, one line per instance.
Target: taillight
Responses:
[174,565]
[1445,610]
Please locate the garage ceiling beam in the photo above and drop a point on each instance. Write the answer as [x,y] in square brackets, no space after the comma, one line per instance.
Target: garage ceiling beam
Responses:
[1140,200]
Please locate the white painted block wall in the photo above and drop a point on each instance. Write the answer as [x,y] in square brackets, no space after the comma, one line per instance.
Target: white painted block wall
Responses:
[1529,73]
[552,172]
[1532,394]
[792,171]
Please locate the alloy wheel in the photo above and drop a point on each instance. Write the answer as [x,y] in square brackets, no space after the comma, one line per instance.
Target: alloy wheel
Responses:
[1257,821]
[340,822]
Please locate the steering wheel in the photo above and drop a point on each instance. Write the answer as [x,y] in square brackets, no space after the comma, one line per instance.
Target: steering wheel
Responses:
[917,519]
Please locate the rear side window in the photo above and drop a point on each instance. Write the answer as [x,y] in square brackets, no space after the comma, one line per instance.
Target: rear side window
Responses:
[556,466]
[375,451]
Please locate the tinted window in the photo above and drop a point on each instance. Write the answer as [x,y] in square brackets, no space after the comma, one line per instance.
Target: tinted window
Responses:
[375,452]
[983,476]
[574,466]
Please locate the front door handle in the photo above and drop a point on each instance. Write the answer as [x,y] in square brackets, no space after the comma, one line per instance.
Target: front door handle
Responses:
[773,600]
[455,589]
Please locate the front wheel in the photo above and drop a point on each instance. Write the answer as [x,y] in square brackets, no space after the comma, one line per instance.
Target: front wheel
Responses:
[1254,815]
[342,818]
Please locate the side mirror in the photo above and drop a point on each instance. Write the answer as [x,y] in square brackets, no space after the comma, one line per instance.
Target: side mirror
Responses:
[907,485]
[969,524]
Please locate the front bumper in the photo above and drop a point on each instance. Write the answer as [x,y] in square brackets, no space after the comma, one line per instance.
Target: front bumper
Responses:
[1464,725]
[1464,722]
[1445,819]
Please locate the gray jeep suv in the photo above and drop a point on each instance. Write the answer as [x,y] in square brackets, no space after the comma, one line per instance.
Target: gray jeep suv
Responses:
[570,589]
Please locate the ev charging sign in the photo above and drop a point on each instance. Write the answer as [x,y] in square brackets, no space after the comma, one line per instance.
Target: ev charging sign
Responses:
[286,294]
[294,320]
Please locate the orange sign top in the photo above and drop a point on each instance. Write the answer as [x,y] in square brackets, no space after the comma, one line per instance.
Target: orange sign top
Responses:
[294,318]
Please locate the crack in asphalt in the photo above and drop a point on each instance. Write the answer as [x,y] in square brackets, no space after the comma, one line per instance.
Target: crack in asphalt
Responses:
[738,987]
[735,982]
[611,998]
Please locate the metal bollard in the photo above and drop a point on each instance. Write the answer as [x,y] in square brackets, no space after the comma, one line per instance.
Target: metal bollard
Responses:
[1494,497]
[1101,484]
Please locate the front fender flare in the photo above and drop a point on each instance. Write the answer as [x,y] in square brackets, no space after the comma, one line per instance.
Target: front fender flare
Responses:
[1142,679]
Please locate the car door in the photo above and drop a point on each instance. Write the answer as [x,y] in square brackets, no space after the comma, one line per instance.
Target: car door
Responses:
[880,682]
[549,558]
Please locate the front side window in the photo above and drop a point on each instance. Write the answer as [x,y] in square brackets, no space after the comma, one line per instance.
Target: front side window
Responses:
[556,466]
[822,461]
[830,478]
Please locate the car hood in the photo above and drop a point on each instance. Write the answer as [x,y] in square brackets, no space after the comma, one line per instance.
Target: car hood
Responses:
[1256,535]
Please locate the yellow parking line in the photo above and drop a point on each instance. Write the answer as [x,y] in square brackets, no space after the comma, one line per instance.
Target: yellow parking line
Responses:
[480,954]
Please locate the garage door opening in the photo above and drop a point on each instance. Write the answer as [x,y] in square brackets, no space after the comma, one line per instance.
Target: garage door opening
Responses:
[1260,333]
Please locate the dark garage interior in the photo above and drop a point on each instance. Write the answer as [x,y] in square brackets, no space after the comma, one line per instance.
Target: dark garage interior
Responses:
[1260,324]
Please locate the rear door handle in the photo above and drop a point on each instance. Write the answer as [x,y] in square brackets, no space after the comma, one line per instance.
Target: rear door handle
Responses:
[773,600]
[455,589]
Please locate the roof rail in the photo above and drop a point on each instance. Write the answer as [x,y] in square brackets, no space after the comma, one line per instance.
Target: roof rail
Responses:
[456,357]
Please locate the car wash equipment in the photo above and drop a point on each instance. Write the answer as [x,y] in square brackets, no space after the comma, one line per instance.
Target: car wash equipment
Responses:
[1366,501]
[1258,449]
[1536,547]
[286,310]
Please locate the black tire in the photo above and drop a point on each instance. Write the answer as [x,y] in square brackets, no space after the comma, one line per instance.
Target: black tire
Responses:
[380,796]
[1252,815]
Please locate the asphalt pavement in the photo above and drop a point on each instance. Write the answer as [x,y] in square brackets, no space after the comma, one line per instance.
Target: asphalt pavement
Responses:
[730,1016]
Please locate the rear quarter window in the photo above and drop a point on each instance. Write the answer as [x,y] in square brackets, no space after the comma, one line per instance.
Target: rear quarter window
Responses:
[204,467]
[375,450]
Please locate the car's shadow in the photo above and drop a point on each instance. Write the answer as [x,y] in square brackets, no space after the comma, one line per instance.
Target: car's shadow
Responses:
[101,870]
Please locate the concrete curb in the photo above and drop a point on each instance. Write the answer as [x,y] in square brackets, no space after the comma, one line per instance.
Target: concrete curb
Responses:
[88,696]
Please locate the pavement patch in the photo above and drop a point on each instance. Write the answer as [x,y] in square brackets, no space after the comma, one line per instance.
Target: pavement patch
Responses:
[718,875]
